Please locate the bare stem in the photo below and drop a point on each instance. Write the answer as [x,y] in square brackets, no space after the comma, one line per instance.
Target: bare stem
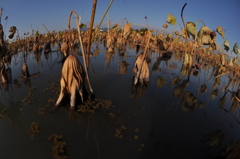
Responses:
[182,15]
[90,30]
[103,17]
[83,53]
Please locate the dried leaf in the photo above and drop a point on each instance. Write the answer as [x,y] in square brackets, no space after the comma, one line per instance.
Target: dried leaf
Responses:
[191,29]
[226,45]
[82,25]
[171,19]
[220,31]
[235,48]
[165,25]
[127,29]
[204,37]
[115,26]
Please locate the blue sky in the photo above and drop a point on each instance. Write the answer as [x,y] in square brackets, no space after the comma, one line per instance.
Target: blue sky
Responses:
[54,14]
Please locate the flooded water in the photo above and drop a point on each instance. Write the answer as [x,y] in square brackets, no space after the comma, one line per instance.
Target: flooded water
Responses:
[174,116]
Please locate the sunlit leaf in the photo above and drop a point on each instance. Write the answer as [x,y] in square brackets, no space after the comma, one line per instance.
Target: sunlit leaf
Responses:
[204,35]
[191,29]
[171,19]
[115,26]
[235,48]
[82,25]
[220,31]
[127,29]
[226,45]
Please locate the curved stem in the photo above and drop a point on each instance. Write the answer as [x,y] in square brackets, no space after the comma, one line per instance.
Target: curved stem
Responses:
[83,53]
[182,15]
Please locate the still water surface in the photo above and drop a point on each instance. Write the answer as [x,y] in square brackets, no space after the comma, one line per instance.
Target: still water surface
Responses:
[165,119]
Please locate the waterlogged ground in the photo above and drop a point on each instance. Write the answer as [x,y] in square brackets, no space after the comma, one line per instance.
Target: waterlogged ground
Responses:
[169,118]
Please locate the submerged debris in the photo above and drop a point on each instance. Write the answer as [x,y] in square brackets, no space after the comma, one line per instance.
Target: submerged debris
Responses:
[34,128]
[91,105]
[59,149]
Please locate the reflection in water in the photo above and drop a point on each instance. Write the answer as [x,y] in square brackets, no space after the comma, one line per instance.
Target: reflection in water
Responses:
[96,52]
[37,56]
[203,88]
[123,67]
[12,112]
[235,99]
[16,83]
[110,119]
[179,89]
[138,90]
[215,138]
[231,152]
[75,116]
[25,72]
[189,101]
[27,83]
[166,56]
[108,60]
[176,80]
[217,82]
[4,79]
[161,81]
[214,94]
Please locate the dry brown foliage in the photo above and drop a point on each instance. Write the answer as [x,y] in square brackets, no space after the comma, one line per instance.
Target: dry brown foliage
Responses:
[141,63]
[72,79]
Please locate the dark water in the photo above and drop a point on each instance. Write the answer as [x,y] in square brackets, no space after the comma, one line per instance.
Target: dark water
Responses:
[165,119]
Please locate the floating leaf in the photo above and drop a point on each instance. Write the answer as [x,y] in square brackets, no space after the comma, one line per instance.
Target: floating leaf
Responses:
[235,48]
[191,29]
[226,45]
[171,19]
[220,31]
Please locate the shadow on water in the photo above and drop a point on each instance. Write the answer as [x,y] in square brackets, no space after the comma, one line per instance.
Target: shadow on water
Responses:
[183,112]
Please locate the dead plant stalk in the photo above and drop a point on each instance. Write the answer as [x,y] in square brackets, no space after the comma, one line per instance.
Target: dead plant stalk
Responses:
[90,30]
[80,40]
[144,54]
